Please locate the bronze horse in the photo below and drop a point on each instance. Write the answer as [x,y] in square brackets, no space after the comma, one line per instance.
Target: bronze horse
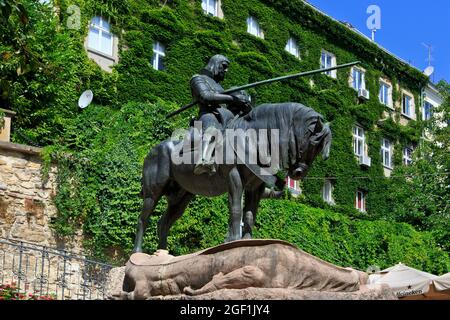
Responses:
[302,135]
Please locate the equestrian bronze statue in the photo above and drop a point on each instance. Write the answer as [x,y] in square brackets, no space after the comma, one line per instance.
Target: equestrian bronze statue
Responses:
[250,146]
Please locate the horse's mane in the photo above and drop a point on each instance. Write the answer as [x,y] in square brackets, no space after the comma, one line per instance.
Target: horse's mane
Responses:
[281,116]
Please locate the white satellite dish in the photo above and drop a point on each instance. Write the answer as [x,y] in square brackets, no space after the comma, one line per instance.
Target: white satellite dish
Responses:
[85,99]
[428,71]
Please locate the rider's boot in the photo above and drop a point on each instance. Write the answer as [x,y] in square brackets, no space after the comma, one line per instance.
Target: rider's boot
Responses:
[206,165]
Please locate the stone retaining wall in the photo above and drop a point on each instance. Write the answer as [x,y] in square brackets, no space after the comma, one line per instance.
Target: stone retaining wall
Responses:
[26,206]
[31,254]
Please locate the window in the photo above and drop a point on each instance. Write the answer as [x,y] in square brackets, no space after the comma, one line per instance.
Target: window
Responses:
[407,158]
[328,60]
[292,48]
[359,141]
[358,79]
[360,201]
[385,94]
[210,7]
[327,192]
[100,38]
[253,27]
[293,185]
[407,105]
[386,153]
[427,110]
[158,56]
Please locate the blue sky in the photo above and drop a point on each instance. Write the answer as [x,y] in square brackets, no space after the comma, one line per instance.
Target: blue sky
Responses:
[405,25]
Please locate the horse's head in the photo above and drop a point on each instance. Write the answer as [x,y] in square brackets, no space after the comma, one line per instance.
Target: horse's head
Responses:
[310,137]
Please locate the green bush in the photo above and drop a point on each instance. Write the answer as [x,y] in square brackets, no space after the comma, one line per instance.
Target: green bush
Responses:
[346,242]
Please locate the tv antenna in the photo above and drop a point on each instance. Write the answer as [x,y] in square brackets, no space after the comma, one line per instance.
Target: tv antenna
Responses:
[430,50]
[85,99]
[430,69]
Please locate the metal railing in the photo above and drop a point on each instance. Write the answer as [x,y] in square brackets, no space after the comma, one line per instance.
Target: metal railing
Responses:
[44,271]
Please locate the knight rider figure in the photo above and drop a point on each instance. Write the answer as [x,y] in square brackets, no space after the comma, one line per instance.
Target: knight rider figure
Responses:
[208,92]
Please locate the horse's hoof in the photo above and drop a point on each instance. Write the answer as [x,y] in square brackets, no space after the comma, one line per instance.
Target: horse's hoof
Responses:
[231,239]
[247,236]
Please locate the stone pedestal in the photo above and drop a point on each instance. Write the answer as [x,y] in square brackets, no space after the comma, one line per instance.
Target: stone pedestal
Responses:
[240,270]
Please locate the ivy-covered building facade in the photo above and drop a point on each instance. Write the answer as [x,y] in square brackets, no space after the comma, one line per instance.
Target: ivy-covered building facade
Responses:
[375,109]
[138,56]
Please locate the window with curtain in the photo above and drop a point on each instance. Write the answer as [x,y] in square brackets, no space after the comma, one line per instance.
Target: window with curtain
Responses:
[292,47]
[407,105]
[210,7]
[327,192]
[100,37]
[358,79]
[293,185]
[427,110]
[385,93]
[386,153]
[253,27]
[359,141]
[360,201]
[407,156]
[328,60]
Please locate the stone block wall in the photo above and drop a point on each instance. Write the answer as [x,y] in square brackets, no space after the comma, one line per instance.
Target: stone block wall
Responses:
[26,205]
[31,255]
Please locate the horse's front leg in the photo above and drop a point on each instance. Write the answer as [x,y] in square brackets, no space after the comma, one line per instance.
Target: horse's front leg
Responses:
[234,204]
[252,199]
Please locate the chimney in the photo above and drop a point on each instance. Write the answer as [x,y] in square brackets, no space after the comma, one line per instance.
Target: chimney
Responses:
[5,125]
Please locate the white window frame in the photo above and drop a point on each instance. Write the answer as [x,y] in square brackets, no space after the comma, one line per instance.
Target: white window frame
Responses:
[359,141]
[211,7]
[102,30]
[424,115]
[410,106]
[253,27]
[327,192]
[360,194]
[158,51]
[359,83]
[387,153]
[292,48]
[296,188]
[385,94]
[407,156]
[328,62]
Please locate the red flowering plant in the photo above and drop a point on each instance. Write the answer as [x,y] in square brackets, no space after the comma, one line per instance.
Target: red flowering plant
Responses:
[11,292]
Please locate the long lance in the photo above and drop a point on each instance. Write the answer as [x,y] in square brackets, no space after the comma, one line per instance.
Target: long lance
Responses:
[255,84]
